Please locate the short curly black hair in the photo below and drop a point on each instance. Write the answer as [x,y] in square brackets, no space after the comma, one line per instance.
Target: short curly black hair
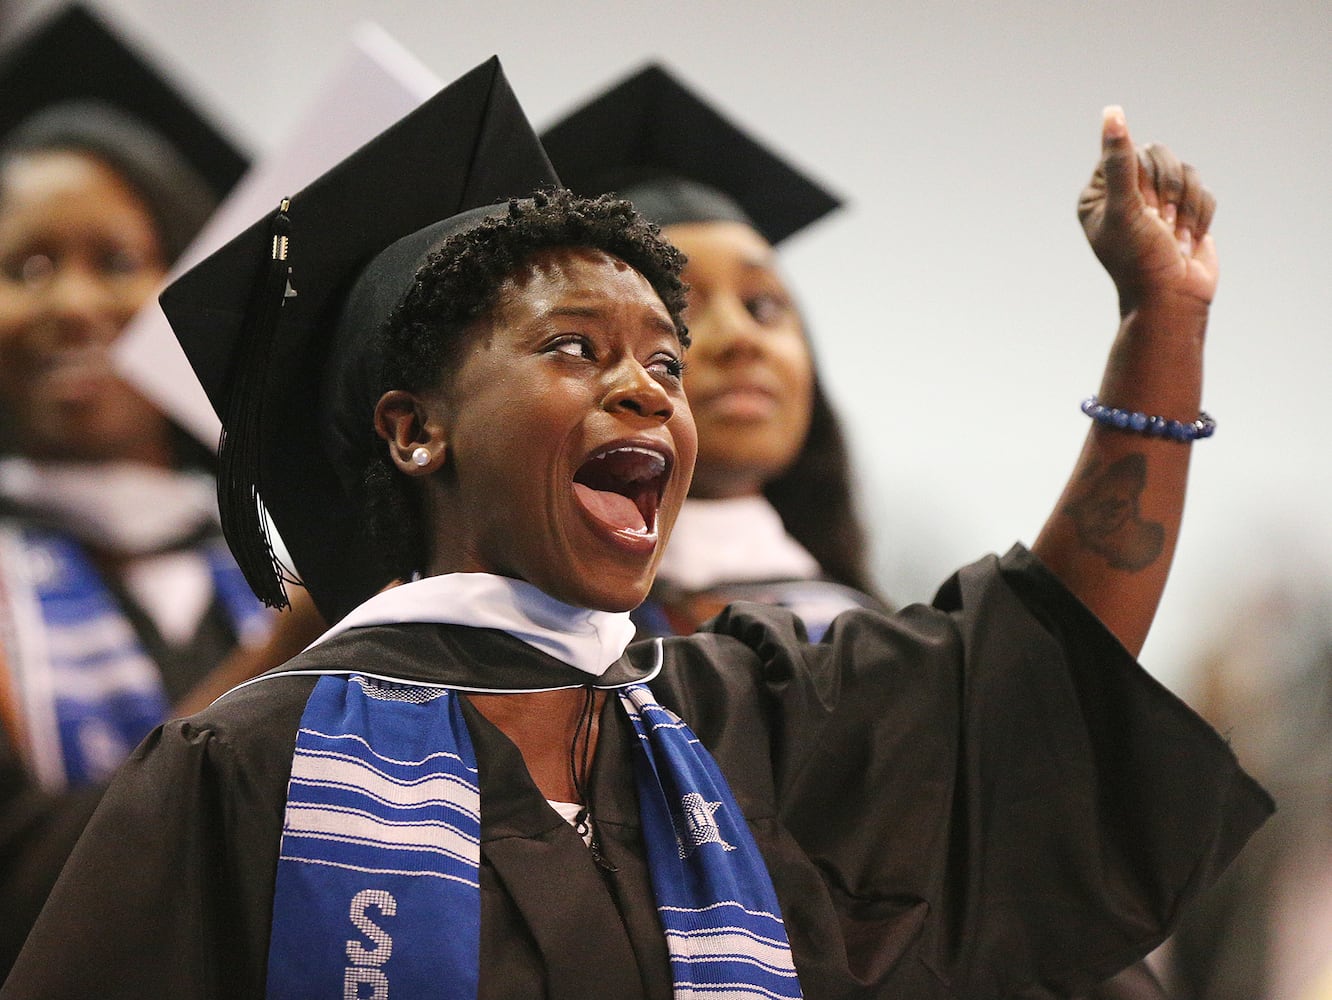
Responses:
[458,284]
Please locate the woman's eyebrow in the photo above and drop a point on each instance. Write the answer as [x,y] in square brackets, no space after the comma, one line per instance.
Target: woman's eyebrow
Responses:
[663,324]
[599,312]
[582,312]
[755,257]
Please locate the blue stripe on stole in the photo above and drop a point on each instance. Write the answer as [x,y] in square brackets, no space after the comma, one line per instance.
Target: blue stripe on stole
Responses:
[377,889]
[723,924]
[107,694]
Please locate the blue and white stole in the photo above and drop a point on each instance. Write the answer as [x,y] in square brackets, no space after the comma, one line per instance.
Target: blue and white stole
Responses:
[724,929]
[381,844]
[90,693]
[377,890]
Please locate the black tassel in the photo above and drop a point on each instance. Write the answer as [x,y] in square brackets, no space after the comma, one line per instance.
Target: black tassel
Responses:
[239,481]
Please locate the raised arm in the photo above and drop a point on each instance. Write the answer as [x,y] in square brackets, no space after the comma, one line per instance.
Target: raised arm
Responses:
[1112,537]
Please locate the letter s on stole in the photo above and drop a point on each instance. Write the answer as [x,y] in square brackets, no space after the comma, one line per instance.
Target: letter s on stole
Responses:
[364,969]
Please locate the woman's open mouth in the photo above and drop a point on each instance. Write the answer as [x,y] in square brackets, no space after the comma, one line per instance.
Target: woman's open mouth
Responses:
[621,487]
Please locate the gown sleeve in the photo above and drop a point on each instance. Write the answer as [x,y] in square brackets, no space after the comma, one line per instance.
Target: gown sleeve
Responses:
[1001,770]
[168,891]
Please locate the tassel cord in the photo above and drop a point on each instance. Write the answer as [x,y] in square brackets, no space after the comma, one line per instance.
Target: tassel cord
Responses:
[580,762]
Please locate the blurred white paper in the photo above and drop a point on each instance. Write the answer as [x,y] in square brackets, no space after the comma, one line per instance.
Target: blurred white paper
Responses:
[376,83]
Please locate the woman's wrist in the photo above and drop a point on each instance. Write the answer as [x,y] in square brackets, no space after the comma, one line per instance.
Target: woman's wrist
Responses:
[1163,305]
[1156,363]
[1169,333]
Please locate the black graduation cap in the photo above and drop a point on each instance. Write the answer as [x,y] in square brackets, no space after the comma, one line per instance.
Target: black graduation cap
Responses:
[654,141]
[259,320]
[75,57]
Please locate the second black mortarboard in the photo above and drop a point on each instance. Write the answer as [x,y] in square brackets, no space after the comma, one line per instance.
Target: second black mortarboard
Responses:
[656,142]
[257,320]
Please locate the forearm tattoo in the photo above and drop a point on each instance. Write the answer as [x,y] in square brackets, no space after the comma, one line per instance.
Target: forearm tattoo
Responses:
[1107,518]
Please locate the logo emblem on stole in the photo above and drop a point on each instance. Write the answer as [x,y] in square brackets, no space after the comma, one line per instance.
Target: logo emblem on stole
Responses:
[696,825]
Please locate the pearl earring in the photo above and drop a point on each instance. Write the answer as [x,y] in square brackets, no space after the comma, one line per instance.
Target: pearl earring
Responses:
[421,456]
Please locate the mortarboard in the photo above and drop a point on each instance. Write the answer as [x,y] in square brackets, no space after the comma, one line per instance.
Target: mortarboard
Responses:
[375,83]
[75,57]
[654,141]
[260,331]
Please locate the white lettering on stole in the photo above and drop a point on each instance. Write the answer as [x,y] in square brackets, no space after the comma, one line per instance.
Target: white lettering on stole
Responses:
[365,968]
[361,975]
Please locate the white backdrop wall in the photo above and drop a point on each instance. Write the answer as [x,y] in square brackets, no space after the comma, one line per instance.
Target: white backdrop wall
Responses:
[958,315]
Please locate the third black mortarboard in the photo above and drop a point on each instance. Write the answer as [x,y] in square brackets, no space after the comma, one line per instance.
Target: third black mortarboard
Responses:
[262,356]
[74,57]
[654,141]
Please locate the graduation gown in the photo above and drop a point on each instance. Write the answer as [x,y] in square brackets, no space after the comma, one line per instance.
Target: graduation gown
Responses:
[983,798]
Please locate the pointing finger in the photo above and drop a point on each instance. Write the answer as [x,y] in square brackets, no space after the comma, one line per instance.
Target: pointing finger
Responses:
[1118,161]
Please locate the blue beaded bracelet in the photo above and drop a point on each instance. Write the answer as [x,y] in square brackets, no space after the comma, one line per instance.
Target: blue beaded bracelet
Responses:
[1141,423]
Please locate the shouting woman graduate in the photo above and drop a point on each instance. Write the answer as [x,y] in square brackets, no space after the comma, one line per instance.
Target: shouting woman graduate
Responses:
[470,787]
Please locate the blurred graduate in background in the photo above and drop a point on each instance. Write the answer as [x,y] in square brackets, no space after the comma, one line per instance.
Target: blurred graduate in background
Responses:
[771,515]
[118,596]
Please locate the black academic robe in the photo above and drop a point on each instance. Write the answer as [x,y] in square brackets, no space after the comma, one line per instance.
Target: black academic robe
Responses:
[983,798]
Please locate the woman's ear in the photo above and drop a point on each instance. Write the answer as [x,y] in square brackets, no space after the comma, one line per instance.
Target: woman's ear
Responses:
[416,439]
